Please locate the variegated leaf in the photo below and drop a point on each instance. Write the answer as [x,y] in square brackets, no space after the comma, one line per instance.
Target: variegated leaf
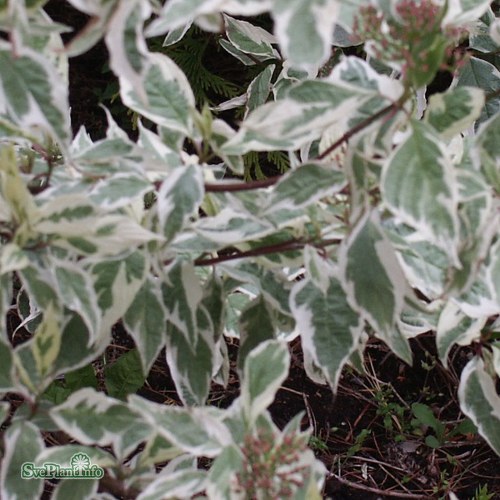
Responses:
[304,30]
[145,321]
[157,450]
[126,44]
[223,472]
[4,411]
[70,488]
[22,443]
[482,74]
[273,284]
[119,190]
[329,328]
[35,95]
[232,226]
[454,111]
[454,327]
[179,197]
[304,186]
[76,224]
[462,12]
[178,484]
[192,363]
[116,284]
[486,153]
[182,294]
[421,160]
[92,418]
[63,454]
[169,100]
[177,13]
[256,326]
[266,368]
[194,430]
[6,370]
[259,89]
[479,400]
[20,204]
[374,282]
[46,343]
[76,292]
[248,38]
[308,108]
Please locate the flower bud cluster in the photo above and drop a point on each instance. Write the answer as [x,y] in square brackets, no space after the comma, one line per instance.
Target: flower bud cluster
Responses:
[271,467]
[411,38]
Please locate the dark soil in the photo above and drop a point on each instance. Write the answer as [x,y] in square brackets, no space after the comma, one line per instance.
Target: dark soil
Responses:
[363,434]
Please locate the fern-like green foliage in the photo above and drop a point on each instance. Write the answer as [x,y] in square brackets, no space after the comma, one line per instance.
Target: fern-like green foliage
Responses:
[260,166]
[193,54]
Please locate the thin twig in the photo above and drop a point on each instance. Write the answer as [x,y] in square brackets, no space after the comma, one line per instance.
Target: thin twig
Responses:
[377,491]
[360,126]
[218,187]
[266,250]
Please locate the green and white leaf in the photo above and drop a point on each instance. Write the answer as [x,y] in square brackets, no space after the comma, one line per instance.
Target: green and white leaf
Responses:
[304,186]
[169,98]
[119,190]
[192,363]
[266,368]
[482,74]
[6,371]
[116,284]
[178,484]
[177,13]
[304,30]
[71,488]
[12,258]
[329,328]
[301,116]
[231,226]
[76,292]
[77,349]
[256,326]
[46,343]
[454,111]
[157,450]
[221,133]
[422,160]
[249,38]
[259,89]
[222,474]
[17,202]
[479,400]
[22,443]
[271,283]
[76,224]
[182,294]
[126,45]
[145,321]
[179,197]
[34,94]
[462,12]
[374,282]
[92,418]
[486,154]
[62,455]
[455,327]
[198,431]
[483,37]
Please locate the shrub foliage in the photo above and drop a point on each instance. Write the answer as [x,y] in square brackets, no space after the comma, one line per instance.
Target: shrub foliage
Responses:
[385,225]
